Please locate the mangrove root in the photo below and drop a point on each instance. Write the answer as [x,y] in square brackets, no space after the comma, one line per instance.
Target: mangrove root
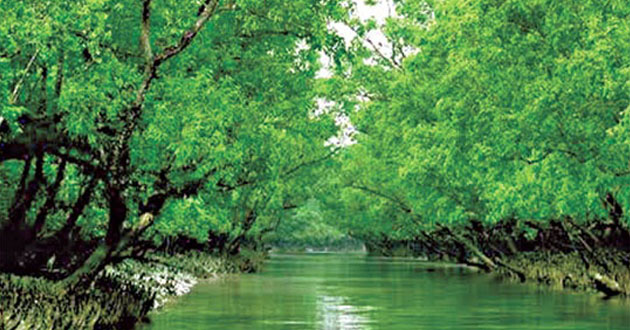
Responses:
[606,285]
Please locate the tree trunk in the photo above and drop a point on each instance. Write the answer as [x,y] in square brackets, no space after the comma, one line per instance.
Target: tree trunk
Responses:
[101,256]
[471,247]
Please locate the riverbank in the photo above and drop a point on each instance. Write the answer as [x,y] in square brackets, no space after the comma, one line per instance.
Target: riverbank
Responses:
[119,298]
[568,271]
[591,256]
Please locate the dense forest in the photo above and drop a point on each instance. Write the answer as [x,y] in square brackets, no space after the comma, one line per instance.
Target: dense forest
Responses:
[493,133]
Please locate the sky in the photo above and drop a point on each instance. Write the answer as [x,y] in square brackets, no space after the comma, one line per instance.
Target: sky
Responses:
[379,12]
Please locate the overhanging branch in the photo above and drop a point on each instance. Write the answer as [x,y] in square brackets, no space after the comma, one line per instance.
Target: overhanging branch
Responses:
[396,201]
[312,162]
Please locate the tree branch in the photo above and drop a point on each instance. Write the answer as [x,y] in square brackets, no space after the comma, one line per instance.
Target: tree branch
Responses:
[51,193]
[131,116]
[402,205]
[155,203]
[17,212]
[206,11]
[145,35]
[260,33]
[16,90]
[77,209]
[311,162]
[538,160]
[376,49]
[59,80]
[84,165]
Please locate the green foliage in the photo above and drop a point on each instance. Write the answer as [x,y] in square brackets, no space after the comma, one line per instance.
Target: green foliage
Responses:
[308,227]
[195,114]
[198,121]
[505,109]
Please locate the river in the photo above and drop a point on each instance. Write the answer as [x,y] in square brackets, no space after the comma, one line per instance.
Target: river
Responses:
[353,291]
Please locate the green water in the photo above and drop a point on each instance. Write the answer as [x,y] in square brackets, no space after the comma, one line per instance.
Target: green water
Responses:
[330,291]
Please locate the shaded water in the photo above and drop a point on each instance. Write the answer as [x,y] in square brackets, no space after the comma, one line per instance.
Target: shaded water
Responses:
[332,291]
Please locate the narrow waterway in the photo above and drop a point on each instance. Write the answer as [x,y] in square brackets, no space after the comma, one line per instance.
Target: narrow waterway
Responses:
[334,291]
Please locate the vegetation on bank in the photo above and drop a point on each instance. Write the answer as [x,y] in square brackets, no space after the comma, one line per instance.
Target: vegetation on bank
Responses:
[126,124]
[592,258]
[120,297]
[486,127]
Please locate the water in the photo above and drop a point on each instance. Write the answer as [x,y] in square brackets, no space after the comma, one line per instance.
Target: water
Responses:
[331,291]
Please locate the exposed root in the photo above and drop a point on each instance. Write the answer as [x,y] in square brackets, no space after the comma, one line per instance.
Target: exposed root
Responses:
[606,285]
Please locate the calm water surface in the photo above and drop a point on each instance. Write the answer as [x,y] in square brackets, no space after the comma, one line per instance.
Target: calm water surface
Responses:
[332,291]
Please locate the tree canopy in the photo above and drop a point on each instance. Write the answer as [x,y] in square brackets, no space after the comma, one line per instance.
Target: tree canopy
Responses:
[123,123]
[121,119]
[498,110]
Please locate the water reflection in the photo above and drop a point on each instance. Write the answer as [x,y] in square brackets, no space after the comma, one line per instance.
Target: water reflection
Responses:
[315,292]
[334,312]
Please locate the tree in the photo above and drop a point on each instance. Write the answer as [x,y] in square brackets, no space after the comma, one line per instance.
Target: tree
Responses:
[508,109]
[113,112]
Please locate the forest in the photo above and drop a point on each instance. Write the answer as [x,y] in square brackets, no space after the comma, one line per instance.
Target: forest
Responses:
[191,138]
